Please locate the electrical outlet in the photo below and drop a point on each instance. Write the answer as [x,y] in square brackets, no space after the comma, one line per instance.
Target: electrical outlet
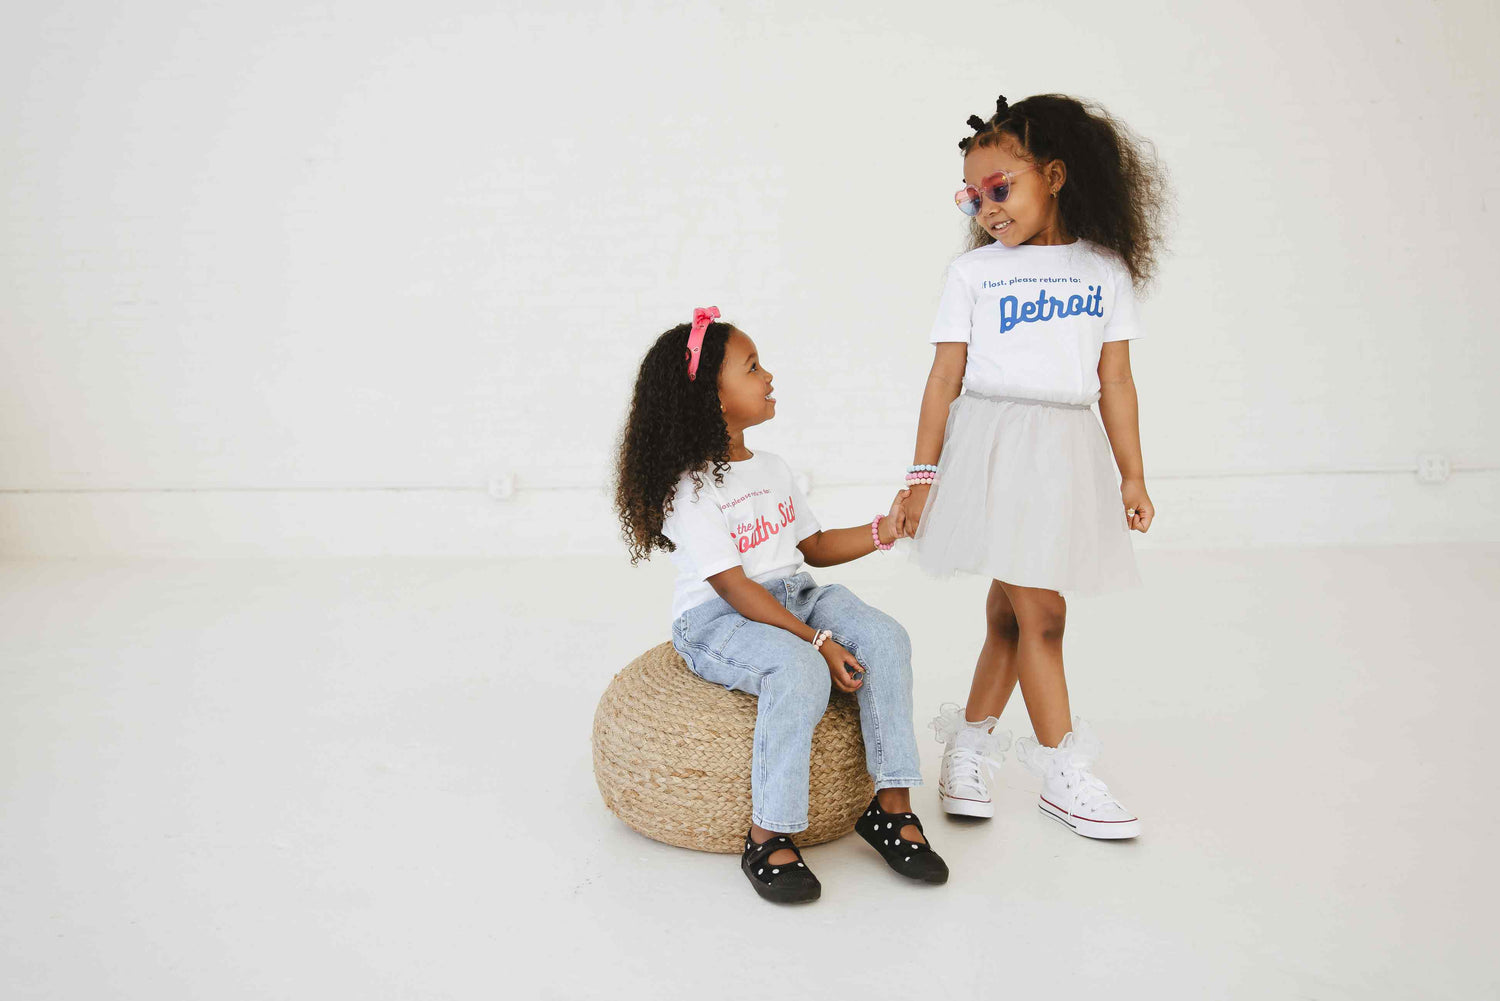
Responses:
[1433,468]
[503,486]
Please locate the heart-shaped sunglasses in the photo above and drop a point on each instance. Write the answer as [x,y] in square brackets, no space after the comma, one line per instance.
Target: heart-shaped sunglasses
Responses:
[995,187]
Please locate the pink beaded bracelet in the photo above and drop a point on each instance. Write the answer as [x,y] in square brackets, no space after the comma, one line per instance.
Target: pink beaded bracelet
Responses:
[875,534]
[819,637]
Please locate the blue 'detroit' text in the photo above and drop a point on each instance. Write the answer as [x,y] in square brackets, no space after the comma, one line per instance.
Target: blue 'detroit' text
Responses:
[1047,307]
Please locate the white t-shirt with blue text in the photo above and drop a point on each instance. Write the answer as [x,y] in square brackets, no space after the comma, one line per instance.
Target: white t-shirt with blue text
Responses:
[1036,318]
[753,520]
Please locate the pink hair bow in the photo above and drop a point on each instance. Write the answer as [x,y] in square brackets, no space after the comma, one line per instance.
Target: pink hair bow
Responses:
[702,316]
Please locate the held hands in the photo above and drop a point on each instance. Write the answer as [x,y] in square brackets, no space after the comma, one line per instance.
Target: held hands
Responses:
[1138,508]
[893,525]
[840,663]
[912,501]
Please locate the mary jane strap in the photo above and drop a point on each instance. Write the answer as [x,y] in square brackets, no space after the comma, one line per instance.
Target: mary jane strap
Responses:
[789,882]
[913,859]
[756,854]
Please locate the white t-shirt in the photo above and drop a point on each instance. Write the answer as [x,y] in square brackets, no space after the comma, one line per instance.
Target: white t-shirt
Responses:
[754,520]
[1036,318]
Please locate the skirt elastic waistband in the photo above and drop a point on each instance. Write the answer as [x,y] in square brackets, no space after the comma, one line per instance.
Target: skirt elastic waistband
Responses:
[1022,399]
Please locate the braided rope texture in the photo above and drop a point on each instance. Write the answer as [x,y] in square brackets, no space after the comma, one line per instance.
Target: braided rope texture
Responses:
[672,758]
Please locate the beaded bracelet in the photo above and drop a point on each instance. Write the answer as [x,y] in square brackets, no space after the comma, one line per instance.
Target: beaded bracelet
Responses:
[819,637]
[921,473]
[875,534]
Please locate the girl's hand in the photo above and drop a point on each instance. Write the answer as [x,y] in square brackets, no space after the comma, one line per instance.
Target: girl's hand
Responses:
[840,663]
[1138,508]
[911,507]
[893,525]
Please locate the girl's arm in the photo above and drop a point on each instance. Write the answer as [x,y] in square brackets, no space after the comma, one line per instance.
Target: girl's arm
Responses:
[832,546]
[1119,410]
[944,383]
[755,603]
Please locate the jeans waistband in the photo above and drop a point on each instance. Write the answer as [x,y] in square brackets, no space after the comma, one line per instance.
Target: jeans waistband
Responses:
[1021,399]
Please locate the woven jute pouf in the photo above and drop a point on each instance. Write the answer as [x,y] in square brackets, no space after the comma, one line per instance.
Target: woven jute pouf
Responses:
[672,758]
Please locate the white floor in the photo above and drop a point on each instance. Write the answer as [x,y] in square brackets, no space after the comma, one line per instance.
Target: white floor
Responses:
[371,779]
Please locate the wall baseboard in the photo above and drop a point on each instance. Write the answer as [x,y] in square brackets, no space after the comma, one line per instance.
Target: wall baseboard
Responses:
[1193,513]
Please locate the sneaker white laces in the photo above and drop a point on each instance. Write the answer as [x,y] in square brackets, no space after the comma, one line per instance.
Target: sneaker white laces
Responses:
[1089,791]
[965,770]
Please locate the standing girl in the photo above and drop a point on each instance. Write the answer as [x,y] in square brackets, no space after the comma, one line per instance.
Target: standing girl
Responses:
[744,615]
[1012,477]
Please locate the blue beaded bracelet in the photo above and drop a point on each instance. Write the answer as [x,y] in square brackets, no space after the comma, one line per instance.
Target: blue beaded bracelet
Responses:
[918,469]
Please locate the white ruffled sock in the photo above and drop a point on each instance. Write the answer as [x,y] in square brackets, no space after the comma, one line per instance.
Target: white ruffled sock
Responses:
[985,737]
[975,736]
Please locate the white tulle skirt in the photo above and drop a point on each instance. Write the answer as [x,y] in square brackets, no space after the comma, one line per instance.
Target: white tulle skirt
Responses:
[1026,493]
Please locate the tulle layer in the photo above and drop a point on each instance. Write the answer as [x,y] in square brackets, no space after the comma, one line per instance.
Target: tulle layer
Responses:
[1026,493]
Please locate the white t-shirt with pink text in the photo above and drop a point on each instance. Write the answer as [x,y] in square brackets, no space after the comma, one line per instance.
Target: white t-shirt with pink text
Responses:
[753,520]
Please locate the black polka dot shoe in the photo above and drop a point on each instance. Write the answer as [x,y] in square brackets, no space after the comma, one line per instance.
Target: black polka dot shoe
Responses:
[912,859]
[788,883]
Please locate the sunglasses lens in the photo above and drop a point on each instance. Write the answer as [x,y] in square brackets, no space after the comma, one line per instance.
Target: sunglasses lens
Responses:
[968,200]
[999,190]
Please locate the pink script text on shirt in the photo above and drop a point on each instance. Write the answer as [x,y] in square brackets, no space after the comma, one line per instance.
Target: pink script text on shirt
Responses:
[747,537]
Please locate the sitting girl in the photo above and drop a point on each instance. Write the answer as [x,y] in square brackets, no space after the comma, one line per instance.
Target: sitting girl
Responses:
[738,529]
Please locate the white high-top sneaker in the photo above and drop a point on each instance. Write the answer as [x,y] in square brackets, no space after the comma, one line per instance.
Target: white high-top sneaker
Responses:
[1071,794]
[969,748]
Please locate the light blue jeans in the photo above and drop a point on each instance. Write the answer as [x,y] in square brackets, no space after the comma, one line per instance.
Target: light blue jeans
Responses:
[791,680]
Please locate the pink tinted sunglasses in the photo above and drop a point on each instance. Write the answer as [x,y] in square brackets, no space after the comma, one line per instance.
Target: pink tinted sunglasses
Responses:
[996,187]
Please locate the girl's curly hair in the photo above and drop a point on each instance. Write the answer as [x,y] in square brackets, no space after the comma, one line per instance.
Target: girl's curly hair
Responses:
[674,426]
[1116,192]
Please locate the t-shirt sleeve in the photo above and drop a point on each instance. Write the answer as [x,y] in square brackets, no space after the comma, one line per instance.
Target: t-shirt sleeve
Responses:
[1124,322]
[955,313]
[697,528]
[807,523]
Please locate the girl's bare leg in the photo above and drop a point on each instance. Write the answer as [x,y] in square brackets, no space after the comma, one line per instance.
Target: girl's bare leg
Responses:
[995,671]
[1040,615]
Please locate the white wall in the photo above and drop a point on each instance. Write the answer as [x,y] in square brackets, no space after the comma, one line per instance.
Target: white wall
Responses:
[303,278]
